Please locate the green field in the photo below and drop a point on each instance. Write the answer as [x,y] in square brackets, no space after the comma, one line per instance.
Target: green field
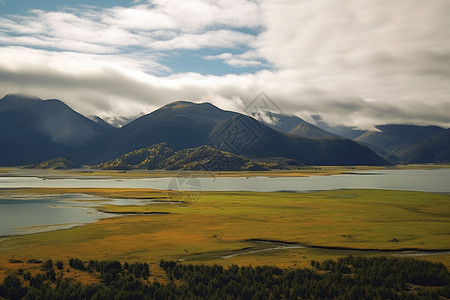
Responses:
[227,228]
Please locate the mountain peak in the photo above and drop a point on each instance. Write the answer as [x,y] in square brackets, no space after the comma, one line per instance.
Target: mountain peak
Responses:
[20,96]
[18,101]
[179,104]
[188,104]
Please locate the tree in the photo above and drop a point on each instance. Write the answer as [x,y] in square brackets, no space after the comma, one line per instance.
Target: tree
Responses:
[59,265]
[47,265]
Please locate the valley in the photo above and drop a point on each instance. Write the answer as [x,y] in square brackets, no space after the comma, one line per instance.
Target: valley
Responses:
[197,185]
[231,227]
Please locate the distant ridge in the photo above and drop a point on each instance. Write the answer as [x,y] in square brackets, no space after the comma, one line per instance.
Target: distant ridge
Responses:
[393,138]
[267,142]
[295,125]
[311,131]
[341,130]
[435,149]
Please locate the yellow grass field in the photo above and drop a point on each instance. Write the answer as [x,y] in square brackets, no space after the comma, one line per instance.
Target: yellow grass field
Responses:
[234,227]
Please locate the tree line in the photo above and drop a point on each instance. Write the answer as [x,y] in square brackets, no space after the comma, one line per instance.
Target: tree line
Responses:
[346,278]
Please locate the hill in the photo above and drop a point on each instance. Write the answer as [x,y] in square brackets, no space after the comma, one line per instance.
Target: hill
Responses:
[58,163]
[145,158]
[434,149]
[245,136]
[33,130]
[209,159]
[160,156]
[180,124]
[393,138]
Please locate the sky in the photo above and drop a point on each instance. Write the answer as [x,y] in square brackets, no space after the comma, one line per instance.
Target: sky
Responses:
[356,63]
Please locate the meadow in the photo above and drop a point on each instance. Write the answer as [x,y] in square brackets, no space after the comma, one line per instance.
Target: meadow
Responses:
[246,228]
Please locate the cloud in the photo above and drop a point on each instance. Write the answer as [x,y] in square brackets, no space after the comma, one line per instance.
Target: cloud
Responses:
[187,16]
[210,39]
[93,85]
[372,50]
[390,55]
[65,31]
[244,60]
[158,25]
[358,63]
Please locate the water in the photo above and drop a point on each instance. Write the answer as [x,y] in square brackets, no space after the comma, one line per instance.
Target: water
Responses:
[412,180]
[22,214]
[28,214]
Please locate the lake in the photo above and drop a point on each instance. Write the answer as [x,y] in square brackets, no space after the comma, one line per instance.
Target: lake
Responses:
[412,180]
[21,214]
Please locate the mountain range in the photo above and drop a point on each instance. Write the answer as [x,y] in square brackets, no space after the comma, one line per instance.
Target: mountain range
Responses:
[33,130]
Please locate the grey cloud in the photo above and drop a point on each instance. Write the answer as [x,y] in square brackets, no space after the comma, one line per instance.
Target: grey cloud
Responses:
[110,93]
[394,55]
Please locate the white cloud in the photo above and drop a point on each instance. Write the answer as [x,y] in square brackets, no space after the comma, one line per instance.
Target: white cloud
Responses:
[209,39]
[65,31]
[160,25]
[55,43]
[244,60]
[191,16]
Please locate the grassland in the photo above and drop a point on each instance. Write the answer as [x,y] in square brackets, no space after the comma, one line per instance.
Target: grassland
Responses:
[224,228]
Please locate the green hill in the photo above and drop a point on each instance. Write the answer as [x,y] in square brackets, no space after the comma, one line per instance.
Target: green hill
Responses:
[145,158]
[160,156]
[210,159]
[58,163]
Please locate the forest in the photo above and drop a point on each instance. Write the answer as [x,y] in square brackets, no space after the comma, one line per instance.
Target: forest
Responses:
[346,278]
